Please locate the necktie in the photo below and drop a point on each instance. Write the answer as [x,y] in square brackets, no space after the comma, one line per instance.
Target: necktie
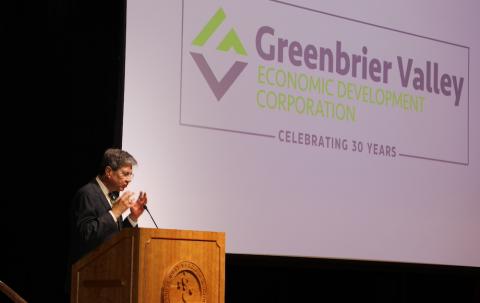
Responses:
[119,222]
[113,195]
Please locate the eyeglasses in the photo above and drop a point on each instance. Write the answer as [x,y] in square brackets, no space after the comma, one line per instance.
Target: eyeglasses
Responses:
[127,174]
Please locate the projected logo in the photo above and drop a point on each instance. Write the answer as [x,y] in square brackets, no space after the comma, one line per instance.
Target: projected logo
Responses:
[336,90]
[230,41]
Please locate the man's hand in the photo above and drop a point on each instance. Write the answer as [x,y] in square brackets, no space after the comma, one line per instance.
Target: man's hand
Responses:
[123,203]
[136,210]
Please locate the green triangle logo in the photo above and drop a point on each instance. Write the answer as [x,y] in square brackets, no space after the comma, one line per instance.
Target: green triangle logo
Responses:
[230,41]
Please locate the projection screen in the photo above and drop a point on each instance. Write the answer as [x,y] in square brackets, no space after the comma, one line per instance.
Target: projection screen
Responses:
[332,129]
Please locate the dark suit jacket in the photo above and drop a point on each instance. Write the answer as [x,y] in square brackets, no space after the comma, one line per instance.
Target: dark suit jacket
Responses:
[90,221]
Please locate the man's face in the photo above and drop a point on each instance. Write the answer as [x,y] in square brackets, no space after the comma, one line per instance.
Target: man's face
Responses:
[120,178]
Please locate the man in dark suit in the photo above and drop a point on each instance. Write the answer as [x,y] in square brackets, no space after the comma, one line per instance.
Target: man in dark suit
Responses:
[96,209]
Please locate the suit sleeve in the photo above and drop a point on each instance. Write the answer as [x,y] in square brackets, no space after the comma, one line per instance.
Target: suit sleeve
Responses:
[126,223]
[94,224]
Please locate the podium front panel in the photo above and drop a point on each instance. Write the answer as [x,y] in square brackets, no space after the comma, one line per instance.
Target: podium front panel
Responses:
[182,270]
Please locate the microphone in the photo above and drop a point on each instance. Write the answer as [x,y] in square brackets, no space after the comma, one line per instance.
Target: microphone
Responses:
[145,207]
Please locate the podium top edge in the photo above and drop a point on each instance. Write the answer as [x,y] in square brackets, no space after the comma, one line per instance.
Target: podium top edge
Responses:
[178,233]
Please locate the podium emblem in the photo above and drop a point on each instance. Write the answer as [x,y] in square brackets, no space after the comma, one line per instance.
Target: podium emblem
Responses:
[184,283]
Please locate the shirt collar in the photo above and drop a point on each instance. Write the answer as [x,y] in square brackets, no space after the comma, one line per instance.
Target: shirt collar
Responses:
[104,190]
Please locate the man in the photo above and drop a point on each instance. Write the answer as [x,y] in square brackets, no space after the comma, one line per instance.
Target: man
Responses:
[96,210]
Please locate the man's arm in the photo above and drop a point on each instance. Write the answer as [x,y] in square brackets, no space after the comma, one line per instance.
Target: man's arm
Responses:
[93,222]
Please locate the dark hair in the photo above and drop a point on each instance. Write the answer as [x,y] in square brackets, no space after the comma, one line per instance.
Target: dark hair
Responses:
[115,158]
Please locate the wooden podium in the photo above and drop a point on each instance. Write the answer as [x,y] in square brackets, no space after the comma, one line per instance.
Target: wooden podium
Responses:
[145,265]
